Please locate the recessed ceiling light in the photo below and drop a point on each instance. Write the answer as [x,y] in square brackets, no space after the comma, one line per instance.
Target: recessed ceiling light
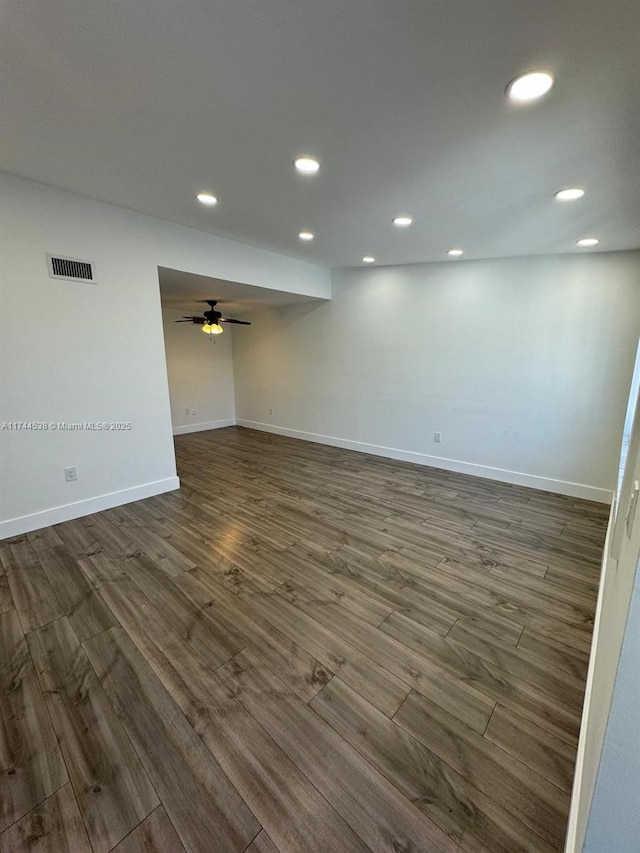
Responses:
[570,194]
[306,235]
[368,259]
[529,86]
[402,221]
[587,241]
[306,165]
[207,198]
[455,253]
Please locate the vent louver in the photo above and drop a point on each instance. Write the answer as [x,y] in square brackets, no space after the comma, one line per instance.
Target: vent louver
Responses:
[71,269]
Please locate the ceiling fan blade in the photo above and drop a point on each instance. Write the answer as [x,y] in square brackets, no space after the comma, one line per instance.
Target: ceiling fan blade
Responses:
[239,322]
[184,321]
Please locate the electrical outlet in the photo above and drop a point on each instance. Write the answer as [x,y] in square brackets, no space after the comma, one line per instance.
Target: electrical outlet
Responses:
[187,411]
[270,410]
[437,437]
[70,475]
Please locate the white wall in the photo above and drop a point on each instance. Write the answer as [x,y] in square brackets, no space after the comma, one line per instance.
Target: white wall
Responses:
[523,365]
[609,688]
[200,374]
[82,352]
[614,820]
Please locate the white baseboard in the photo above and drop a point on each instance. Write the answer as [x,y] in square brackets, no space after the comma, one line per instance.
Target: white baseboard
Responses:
[66,512]
[204,425]
[545,484]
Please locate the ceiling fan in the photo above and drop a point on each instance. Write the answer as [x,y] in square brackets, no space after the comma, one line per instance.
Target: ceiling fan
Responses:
[211,319]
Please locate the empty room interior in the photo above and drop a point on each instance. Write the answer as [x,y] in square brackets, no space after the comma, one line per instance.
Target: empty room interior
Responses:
[319,440]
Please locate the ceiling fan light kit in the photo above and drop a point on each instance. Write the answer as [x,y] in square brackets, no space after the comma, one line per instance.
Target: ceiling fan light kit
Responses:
[211,320]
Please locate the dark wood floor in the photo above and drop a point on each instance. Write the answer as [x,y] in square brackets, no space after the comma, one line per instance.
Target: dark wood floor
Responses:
[304,649]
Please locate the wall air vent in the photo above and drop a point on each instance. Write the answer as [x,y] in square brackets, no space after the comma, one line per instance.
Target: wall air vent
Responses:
[71,269]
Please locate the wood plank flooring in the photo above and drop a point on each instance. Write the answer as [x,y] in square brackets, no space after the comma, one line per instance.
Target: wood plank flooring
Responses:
[302,649]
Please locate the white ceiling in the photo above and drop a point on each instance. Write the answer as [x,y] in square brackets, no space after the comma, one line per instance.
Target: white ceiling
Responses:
[144,104]
[185,292]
